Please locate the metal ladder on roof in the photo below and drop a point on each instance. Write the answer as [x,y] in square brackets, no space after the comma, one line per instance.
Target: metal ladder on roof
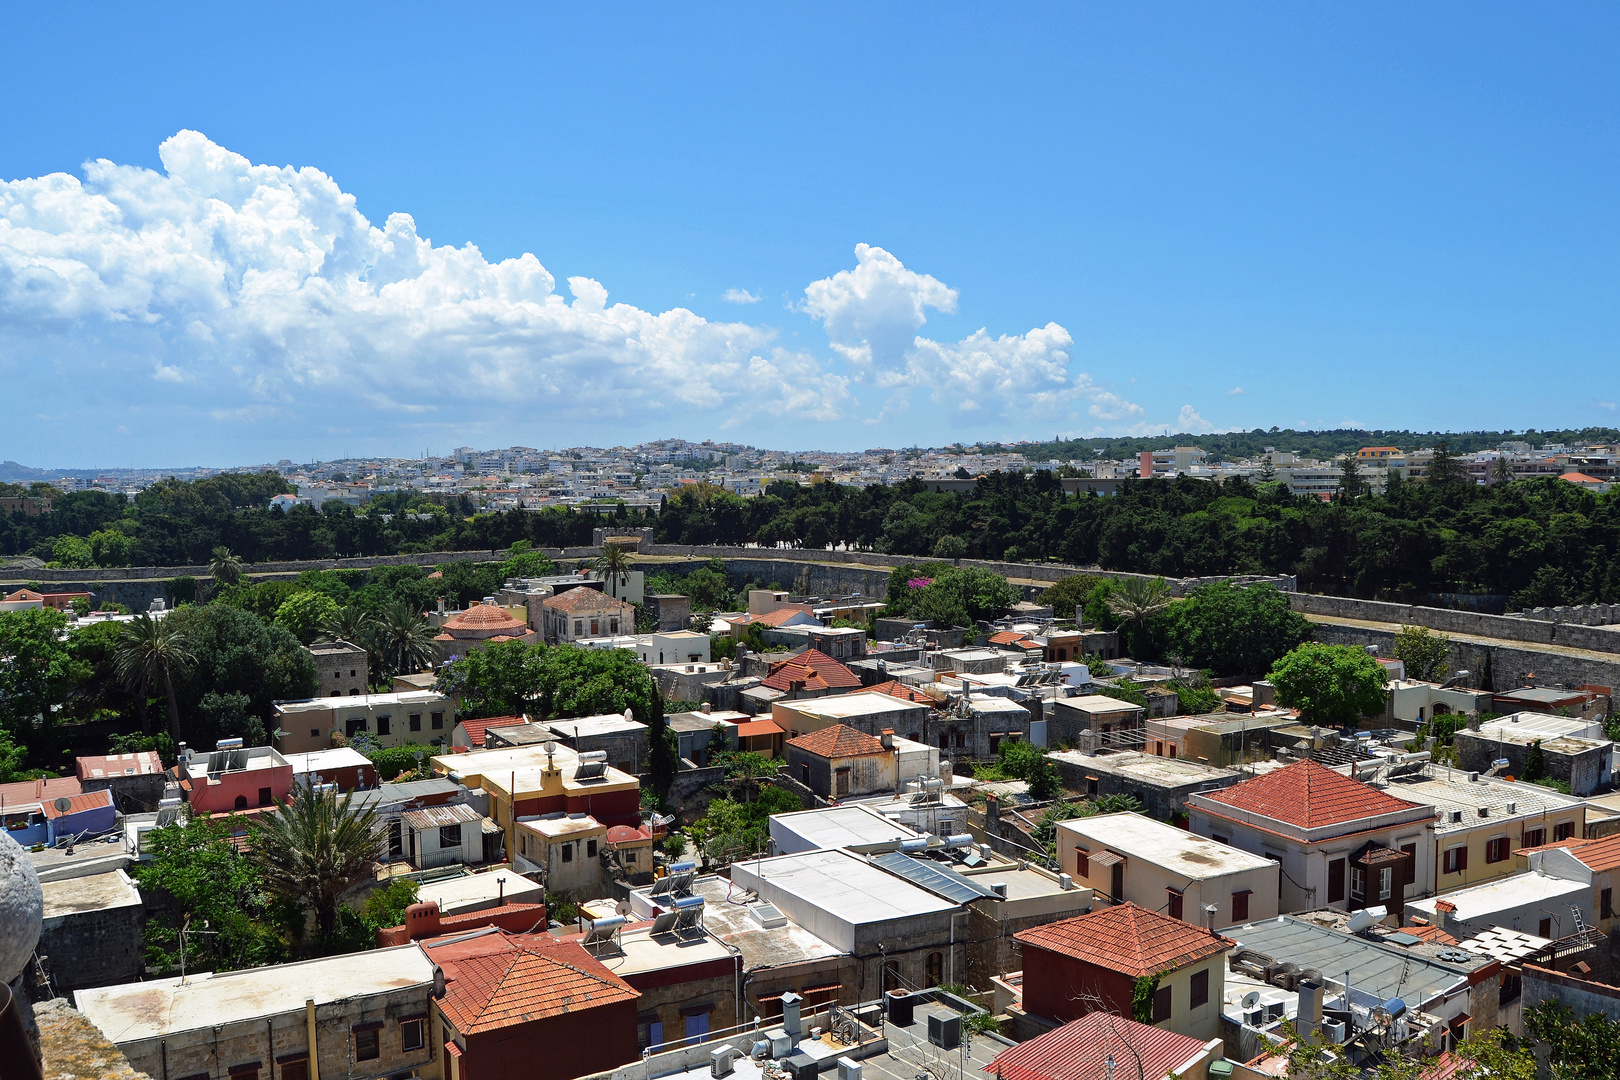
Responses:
[1580,924]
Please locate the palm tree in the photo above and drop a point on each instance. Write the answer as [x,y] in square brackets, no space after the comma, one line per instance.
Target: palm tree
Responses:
[404,639]
[614,566]
[1136,600]
[226,566]
[315,848]
[357,626]
[150,650]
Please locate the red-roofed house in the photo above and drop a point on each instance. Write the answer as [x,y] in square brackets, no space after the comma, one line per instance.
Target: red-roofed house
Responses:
[904,691]
[811,673]
[838,761]
[529,1005]
[583,612]
[1596,862]
[1340,843]
[469,734]
[1091,963]
[1081,1049]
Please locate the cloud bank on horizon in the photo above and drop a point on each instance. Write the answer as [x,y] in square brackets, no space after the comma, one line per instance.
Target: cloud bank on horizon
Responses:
[217,296]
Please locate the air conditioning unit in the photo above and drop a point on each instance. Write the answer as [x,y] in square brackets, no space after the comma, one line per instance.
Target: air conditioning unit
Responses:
[720,1060]
[1255,1017]
[1333,1031]
[849,1069]
[945,1032]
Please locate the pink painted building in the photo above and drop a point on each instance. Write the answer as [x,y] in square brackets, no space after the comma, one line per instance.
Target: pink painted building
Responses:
[235,778]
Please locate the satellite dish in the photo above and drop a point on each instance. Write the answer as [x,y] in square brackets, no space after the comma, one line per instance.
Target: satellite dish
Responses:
[63,805]
[622,907]
[1251,999]
[1360,921]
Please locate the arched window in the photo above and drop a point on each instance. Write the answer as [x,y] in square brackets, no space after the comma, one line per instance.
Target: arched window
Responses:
[241,802]
[936,968]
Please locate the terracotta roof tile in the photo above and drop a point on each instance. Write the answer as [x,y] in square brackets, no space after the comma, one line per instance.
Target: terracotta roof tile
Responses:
[1429,932]
[1007,637]
[1308,795]
[581,600]
[838,741]
[1128,939]
[1080,1049]
[815,669]
[782,615]
[46,790]
[1597,855]
[475,728]
[78,804]
[514,984]
[484,617]
[904,691]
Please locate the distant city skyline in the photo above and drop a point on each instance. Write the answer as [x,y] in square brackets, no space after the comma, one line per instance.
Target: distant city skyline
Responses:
[835,228]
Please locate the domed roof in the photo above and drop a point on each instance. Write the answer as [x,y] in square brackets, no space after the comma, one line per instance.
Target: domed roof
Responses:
[484,617]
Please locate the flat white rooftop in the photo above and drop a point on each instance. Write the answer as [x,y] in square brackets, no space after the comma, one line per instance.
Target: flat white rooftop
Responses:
[93,892]
[160,1007]
[474,891]
[338,757]
[729,915]
[1164,845]
[587,726]
[1097,704]
[399,698]
[1483,902]
[843,826]
[843,706]
[1541,726]
[842,884]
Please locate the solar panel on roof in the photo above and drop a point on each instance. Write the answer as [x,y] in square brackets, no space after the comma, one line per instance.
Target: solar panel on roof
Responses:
[937,879]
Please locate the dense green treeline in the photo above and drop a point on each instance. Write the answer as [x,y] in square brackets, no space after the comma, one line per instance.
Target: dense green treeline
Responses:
[1539,541]
[177,523]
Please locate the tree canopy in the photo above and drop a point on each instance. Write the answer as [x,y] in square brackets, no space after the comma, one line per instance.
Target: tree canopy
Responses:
[1330,684]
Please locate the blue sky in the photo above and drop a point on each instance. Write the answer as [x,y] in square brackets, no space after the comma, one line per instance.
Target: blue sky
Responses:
[1379,216]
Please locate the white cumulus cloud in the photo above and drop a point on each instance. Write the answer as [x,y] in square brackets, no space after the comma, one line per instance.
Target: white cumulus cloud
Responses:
[1236,391]
[739,296]
[261,292]
[1189,421]
[872,314]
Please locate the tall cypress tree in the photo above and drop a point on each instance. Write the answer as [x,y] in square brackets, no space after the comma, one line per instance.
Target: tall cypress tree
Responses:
[663,750]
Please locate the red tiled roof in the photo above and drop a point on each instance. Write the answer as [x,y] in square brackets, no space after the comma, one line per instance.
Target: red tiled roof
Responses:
[33,791]
[78,804]
[815,669]
[1446,1066]
[1579,478]
[838,741]
[475,728]
[1128,939]
[1429,933]
[624,834]
[140,763]
[1597,855]
[1079,1050]
[783,614]
[904,691]
[511,983]
[750,728]
[1007,637]
[581,600]
[25,594]
[484,617]
[1308,795]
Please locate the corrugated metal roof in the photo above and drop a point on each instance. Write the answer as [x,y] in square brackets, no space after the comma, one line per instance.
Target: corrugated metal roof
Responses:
[937,879]
[432,817]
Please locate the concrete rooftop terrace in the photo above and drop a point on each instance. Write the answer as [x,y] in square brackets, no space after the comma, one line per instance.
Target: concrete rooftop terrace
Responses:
[1163,845]
[150,1010]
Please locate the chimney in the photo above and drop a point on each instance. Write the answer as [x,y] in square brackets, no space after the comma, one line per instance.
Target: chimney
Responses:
[1444,910]
[422,919]
[887,738]
[706,708]
[791,1022]
[1309,1021]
